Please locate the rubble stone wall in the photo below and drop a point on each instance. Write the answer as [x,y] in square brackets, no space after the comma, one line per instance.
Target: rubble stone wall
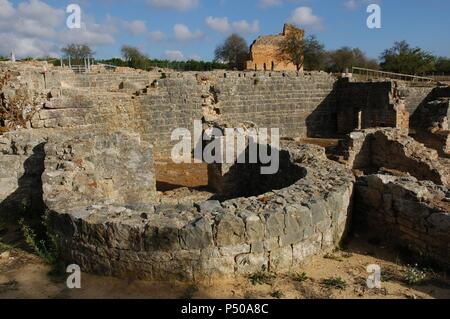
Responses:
[389,148]
[21,166]
[98,167]
[414,214]
[275,231]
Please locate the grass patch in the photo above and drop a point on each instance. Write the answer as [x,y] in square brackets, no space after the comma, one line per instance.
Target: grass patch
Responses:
[42,240]
[413,275]
[262,277]
[4,247]
[277,294]
[333,257]
[302,277]
[388,276]
[335,283]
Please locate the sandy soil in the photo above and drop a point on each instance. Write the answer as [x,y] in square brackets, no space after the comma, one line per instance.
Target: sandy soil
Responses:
[23,275]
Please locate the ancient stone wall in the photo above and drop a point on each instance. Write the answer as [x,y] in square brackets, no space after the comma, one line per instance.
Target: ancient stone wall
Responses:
[388,148]
[21,166]
[275,231]
[154,109]
[97,167]
[415,95]
[299,105]
[110,81]
[362,105]
[413,214]
[265,52]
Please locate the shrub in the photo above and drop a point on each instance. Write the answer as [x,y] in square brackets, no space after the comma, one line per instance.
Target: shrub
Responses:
[42,240]
[335,283]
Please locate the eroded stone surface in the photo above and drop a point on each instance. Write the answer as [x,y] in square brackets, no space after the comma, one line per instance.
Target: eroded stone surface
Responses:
[389,148]
[98,167]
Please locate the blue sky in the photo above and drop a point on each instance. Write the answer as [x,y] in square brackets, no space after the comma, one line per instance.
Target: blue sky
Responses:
[183,29]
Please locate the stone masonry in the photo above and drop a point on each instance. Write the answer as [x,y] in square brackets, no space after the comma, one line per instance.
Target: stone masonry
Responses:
[275,231]
[414,214]
[388,148]
[83,147]
[265,52]
[97,168]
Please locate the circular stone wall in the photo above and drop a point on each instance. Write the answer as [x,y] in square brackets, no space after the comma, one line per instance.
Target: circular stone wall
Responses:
[277,231]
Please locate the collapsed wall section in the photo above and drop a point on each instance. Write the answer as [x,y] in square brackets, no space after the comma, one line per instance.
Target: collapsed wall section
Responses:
[370,150]
[432,121]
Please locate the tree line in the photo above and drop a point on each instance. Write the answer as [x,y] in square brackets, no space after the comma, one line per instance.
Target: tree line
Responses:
[308,53]
[311,54]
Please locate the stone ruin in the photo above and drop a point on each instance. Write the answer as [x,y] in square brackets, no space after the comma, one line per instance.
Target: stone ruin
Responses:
[265,52]
[87,149]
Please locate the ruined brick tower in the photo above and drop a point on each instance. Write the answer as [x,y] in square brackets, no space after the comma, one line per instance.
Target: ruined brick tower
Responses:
[265,55]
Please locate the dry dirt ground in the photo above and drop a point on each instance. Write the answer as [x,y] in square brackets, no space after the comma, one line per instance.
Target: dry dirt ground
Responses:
[340,275]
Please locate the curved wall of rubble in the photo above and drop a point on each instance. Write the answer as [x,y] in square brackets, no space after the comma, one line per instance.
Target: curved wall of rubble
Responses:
[276,231]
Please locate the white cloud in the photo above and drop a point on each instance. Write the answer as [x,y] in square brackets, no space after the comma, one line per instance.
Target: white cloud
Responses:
[91,33]
[39,11]
[195,57]
[304,17]
[182,33]
[6,9]
[270,3]
[174,55]
[34,28]
[181,5]
[139,28]
[24,47]
[351,4]
[223,25]
[136,27]
[355,4]
[156,35]
[245,27]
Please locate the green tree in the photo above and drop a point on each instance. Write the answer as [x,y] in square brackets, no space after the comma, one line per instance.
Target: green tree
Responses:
[443,65]
[345,58]
[134,57]
[292,48]
[77,52]
[315,54]
[234,52]
[402,58]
